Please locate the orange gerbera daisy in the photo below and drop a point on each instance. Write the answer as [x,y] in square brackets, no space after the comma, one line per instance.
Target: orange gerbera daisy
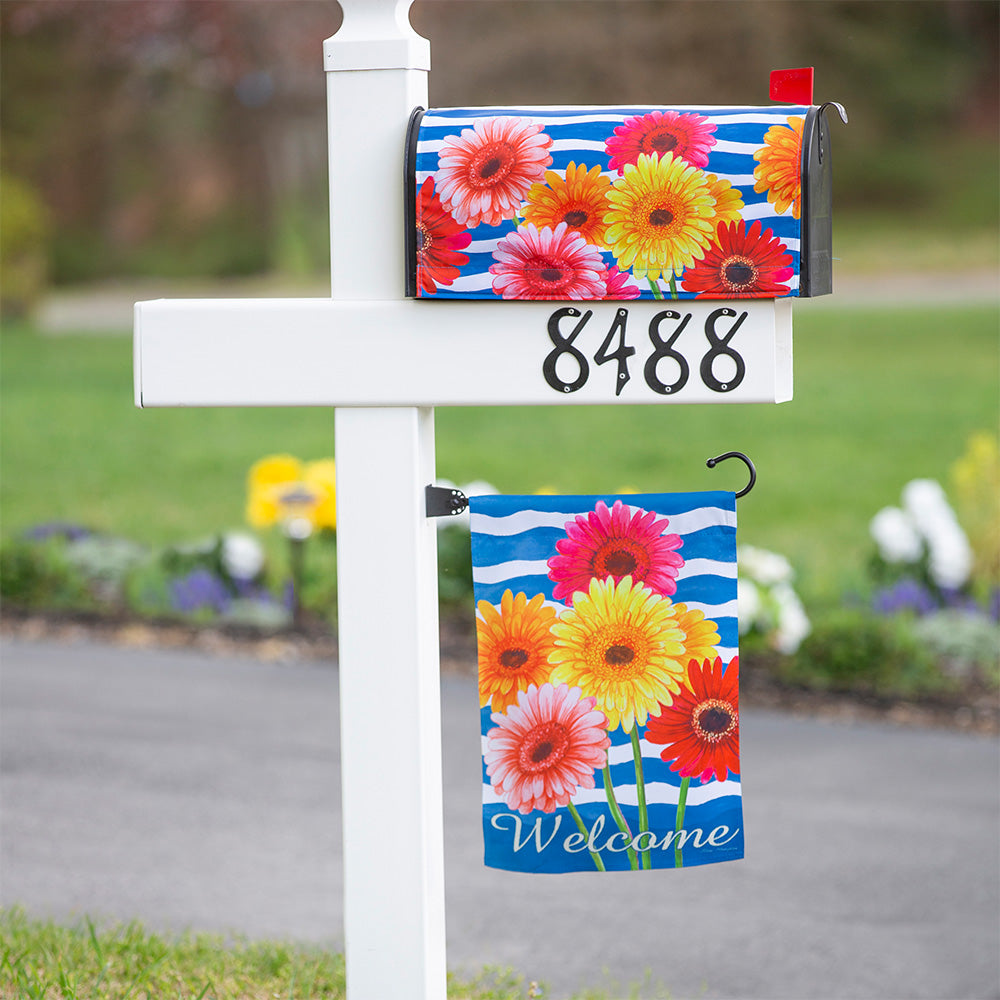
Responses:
[580,200]
[701,729]
[661,215]
[484,174]
[780,170]
[514,647]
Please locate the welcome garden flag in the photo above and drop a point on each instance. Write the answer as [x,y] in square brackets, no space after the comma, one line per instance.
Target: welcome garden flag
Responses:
[608,680]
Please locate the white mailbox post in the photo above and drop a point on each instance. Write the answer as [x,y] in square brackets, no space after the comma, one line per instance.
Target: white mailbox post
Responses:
[384,362]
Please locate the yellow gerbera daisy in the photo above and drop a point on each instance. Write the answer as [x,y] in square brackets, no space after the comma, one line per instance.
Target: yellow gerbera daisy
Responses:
[514,647]
[701,634]
[661,215]
[621,644]
[321,475]
[780,170]
[580,200]
[728,200]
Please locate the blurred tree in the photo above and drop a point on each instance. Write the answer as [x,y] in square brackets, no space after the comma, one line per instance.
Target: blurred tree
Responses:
[188,136]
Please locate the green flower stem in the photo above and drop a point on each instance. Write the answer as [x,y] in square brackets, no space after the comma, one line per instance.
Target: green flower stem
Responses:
[679,825]
[673,286]
[640,785]
[296,559]
[619,818]
[657,294]
[598,863]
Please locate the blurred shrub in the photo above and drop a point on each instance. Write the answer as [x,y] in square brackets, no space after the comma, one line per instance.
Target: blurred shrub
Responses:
[24,232]
[852,650]
[966,646]
[37,574]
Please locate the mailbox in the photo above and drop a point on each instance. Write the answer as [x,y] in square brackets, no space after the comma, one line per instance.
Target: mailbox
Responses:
[617,203]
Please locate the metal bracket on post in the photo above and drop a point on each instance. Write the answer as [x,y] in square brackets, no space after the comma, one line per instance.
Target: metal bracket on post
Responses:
[443,501]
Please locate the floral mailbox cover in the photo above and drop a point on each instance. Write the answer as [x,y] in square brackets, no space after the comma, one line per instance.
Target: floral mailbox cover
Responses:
[618,203]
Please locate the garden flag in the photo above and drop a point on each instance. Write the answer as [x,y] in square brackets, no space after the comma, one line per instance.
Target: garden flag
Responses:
[608,680]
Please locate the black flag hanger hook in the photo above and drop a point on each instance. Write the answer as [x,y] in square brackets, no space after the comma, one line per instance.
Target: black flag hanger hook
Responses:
[713,462]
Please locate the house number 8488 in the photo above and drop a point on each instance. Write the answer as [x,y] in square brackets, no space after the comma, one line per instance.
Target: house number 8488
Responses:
[614,347]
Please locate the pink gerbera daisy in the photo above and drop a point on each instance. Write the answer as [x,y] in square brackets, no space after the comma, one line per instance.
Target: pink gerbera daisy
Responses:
[618,284]
[547,264]
[688,136]
[615,543]
[545,747]
[485,173]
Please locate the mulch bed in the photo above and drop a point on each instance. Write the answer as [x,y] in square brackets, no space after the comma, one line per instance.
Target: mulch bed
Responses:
[974,711]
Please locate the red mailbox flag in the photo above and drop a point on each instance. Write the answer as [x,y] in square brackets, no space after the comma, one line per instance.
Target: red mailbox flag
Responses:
[792,86]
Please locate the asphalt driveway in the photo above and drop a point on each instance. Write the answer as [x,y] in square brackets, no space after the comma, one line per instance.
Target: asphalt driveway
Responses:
[202,792]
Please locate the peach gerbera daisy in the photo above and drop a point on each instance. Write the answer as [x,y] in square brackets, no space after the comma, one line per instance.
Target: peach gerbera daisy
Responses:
[545,747]
[661,214]
[514,646]
[780,169]
[580,200]
[547,264]
[484,174]
[620,643]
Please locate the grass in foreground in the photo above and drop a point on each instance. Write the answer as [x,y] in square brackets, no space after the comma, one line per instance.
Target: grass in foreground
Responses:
[41,960]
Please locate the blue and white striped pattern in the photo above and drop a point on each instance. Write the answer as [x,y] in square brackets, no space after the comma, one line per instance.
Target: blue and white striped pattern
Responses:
[579,135]
[512,537]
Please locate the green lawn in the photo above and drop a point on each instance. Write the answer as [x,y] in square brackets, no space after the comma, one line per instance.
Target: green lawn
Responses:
[881,396]
[44,960]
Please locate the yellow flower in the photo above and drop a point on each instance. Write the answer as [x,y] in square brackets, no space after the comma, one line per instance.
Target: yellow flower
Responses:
[780,170]
[514,647]
[281,490]
[621,644]
[728,200]
[579,200]
[321,475]
[661,215]
[975,481]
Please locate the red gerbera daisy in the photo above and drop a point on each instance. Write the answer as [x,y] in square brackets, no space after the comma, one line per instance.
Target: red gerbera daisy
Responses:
[688,136]
[545,747]
[548,264]
[702,726]
[485,173]
[615,543]
[741,264]
[439,238]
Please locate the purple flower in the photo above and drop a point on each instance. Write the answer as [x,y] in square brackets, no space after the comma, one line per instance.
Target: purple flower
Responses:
[906,595]
[201,588]
[57,529]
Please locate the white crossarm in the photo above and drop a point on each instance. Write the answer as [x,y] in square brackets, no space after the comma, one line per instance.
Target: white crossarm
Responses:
[325,352]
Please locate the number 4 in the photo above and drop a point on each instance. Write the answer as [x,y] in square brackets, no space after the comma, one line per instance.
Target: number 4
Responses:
[621,354]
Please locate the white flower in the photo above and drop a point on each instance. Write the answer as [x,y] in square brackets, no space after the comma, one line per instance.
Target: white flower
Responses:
[242,556]
[748,604]
[950,558]
[767,568]
[924,500]
[949,553]
[896,536]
